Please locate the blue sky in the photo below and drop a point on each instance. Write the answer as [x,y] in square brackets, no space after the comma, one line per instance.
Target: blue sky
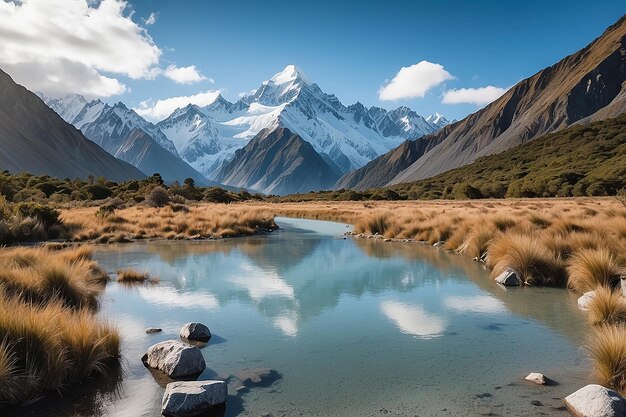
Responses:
[351,48]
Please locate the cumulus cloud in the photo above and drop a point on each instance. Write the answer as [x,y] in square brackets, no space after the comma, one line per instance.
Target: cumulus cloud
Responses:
[160,109]
[477,96]
[414,81]
[151,20]
[80,46]
[184,75]
[58,46]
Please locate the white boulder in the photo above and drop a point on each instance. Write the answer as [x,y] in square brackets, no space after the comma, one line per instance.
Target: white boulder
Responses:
[185,399]
[175,358]
[596,401]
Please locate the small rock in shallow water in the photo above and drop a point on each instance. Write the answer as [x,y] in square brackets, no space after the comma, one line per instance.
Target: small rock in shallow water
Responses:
[596,401]
[536,377]
[183,399]
[509,278]
[196,332]
[536,403]
[151,330]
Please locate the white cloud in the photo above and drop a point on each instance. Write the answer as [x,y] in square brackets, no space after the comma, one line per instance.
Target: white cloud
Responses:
[160,109]
[414,81]
[59,46]
[478,96]
[184,75]
[151,20]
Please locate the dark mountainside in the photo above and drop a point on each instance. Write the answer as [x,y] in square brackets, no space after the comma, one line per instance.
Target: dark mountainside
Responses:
[35,139]
[586,86]
[278,162]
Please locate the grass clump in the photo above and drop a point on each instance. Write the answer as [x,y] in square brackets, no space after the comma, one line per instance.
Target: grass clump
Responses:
[132,276]
[607,349]
[589,268]
[50,336]
[607,307]
[527,255]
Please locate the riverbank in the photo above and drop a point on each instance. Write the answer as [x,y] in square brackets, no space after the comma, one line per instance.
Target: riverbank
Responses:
[50,337]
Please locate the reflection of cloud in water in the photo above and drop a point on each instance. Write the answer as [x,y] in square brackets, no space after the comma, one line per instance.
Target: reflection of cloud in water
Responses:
[474,304]
[413,320]
[261,284]
[287,324]
[170,297]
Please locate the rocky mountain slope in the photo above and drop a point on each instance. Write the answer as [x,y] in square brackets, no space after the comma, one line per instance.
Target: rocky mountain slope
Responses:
[115,128]
[585,86]
[278,162]
[35,139]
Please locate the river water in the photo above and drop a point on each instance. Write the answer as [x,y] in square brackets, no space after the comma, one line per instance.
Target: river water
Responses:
[349,327]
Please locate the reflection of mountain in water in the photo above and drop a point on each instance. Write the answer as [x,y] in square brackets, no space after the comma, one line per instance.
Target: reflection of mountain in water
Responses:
[296,275]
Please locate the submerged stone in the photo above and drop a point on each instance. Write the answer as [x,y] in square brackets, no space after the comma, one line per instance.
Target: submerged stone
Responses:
[151,330]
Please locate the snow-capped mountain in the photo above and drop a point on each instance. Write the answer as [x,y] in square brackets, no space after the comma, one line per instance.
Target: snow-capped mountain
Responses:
[438,120]
[103,122]
[125,135]
[347,137]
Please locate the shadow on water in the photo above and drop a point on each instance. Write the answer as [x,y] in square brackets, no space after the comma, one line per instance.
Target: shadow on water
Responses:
[87,398]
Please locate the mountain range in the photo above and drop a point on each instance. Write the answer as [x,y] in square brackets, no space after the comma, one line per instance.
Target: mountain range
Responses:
[207,138]
[586,86]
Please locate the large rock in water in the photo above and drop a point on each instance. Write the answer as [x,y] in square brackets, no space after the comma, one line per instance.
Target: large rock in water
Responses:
[596,401]
[185,399]
[195,331]
[175,358]
[509,278]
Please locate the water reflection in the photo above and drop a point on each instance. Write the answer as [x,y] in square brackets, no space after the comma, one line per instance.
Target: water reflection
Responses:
[474,304]
[413,319]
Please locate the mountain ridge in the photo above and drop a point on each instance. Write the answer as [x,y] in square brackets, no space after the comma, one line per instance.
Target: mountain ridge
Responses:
[579,86]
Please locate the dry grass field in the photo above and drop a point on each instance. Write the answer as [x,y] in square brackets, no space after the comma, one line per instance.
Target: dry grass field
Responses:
[201,221]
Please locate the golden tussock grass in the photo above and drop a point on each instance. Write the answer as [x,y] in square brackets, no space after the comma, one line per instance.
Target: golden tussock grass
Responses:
[141,222]
[132,276]
[589,268]
[608,306]
[50,336]
[607,349]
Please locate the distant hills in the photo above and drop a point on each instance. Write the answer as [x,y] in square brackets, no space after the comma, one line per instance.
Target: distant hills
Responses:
[35,139]
[586,86]
[581,160]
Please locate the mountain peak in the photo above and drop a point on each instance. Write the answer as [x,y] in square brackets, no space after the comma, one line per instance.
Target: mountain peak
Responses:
[290,74]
